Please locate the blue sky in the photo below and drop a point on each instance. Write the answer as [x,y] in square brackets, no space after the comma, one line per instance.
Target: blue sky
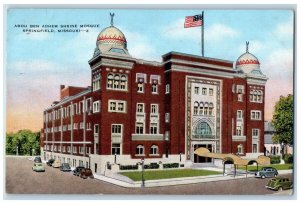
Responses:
[42,61]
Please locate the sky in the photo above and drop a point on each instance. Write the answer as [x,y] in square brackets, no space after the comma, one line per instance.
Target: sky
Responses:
[38,63]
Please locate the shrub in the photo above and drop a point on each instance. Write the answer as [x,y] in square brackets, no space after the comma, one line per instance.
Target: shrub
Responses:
[288,158]
[275,159]
[128,167]
[181,165]
[151,166]
[171,165]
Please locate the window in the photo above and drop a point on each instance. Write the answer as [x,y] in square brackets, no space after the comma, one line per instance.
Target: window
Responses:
[74,149]
[254,148]
[116,129]
[167,88]
[154,108]
[115,149]
[116,81]
[196,108]
[154,88]
[64,149]
[88,126]
[196,90]
[96,130]
[68,149]
[140,150]
[153,128]
[81,125]
[88,150]
[167,117]
[239,114]
[75,126]
[211,92]
[140,108]
[203,129]
[255,132]
[240,149]
[117,106]
[256,96]
[140,87]
[240,97]
[154,150]
[96,107]
[204,91]
[255,115]
[240,89]
[139,128]
[81,150]
[238,130]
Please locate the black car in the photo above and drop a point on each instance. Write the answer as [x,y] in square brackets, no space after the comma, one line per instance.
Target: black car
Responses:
[77,170]
[65,167]
[50,162]
[37,160]
[266,172]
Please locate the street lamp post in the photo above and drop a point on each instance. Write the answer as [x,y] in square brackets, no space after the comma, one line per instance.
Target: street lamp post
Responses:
[282,150]
[143,179]
[115,157]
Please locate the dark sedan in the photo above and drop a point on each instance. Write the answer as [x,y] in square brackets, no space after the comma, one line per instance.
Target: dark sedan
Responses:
[266,172]
[50,162]
[77,170]
[86,173]
[37,160]
[65,167]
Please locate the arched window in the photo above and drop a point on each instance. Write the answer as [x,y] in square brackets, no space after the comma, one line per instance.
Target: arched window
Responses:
[240,148]
[196,108]
[114,81]
[203,130]
[210,108]
[154,149]
[140,150]
[201,108]
[123,82]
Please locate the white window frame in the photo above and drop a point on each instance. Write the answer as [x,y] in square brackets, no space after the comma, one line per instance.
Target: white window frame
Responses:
[74,149]
[210,91]
[154,126]
[96,133]
[204,91]
[141,124]
[117,105]
[167,88]
[143,108]
[256,132]
[154,150]
[96,107]
[155,107]
[167,117]
[257,115]
[141,87]
[141,151]
[115,127]
[241,114]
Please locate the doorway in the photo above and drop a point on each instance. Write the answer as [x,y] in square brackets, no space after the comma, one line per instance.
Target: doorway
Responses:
[199,159]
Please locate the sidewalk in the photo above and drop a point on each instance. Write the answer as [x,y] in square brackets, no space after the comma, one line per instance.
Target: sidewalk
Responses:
[179,181]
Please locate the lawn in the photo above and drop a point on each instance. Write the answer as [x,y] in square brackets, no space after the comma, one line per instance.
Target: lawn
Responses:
[276,166]
[166,174]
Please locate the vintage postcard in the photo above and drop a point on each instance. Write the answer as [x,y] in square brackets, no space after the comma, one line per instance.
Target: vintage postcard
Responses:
[185,101]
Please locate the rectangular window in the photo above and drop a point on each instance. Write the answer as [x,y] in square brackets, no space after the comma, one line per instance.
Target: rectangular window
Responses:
[204,91]
[254,148]
[238,130]
[74,149]
[69,149]
[140,108]
[154,108]
[88,126]
[255,132]
[81,125]
[116,129]
[240,89]
[154,88]
[167,117]
[116,149]
[196,90]
[255,115]
[211,92]
[167,88]
[81,150]
[139,128]
[153,128]
[96,130]
[239,114]
[140,87]
[117,106]
[240,97]
[96,107]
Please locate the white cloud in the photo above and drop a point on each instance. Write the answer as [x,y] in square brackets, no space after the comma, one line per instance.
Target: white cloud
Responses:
[140,46]
[30,67]
[284,30]
[215,32]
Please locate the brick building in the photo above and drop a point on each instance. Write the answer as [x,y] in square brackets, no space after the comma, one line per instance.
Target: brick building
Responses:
[159,111]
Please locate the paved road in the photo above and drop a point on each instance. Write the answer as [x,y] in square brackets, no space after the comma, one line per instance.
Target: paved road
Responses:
[20,179]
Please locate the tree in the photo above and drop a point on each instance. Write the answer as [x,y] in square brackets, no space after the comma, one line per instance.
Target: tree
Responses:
[283,120]
[25,141]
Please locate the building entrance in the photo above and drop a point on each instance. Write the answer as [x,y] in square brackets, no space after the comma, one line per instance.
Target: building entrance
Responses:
[199,159]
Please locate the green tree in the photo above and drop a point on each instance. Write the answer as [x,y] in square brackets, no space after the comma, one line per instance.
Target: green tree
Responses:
[25,141]
[283,120]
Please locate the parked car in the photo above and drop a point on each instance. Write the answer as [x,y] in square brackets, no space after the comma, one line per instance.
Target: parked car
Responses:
[38,167]
[56,164]
[50,162]
[37,160]
[266,172]
[77,170]
[65,167]
[279,184]
[86,173]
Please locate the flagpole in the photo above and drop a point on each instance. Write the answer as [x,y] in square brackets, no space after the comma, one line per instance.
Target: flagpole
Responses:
[202,33]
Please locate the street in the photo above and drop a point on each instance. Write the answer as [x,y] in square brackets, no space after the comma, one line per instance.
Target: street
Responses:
[20,179]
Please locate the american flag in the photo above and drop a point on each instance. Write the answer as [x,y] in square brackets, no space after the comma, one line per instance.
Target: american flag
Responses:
[193,21]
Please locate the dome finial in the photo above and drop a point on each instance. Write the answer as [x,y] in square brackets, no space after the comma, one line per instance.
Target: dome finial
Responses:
[112,19]
[247,46]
